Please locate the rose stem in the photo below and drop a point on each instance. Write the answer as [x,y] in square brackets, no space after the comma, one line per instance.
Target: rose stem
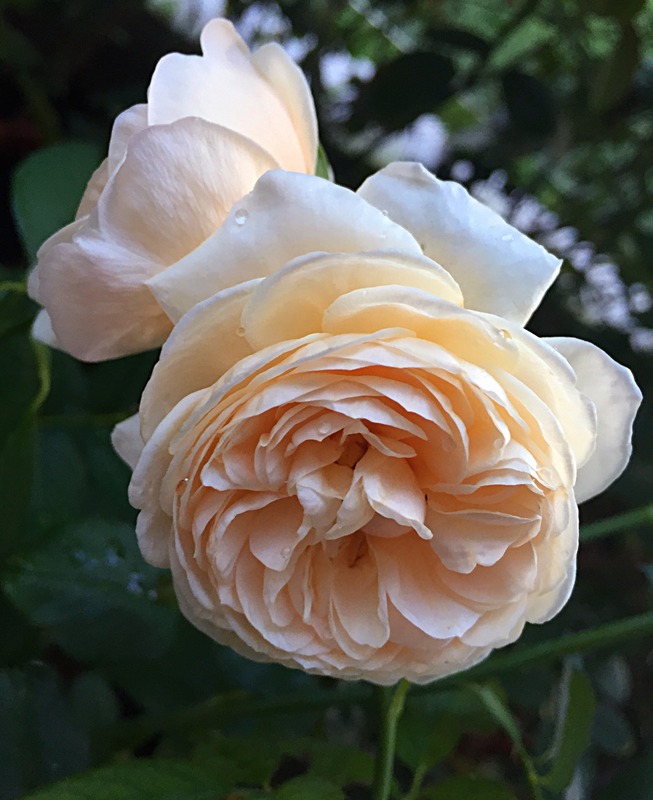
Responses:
[391,701]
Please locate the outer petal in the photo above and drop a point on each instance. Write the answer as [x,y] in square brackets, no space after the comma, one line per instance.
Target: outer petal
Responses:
[313,215]
[200,349]
[616,396]
[273,65]
[224,87]
[173,189]
[498,268]
[127,440]
[128,123]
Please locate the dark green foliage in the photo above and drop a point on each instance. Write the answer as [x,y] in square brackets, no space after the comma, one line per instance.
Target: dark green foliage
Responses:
[105,690]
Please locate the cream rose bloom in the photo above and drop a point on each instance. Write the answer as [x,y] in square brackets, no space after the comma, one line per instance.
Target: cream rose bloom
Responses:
[357,462]
[212,125]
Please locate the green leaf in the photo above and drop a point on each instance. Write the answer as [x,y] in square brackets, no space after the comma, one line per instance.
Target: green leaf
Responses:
[632,783]
[575,714]
[47,187]
[530,103]
[46,741]
[323,167]
[524,40]
[468,787]
[404,89]
[423,740]
[615,74]
[91,588]
[141,780]
[306,787]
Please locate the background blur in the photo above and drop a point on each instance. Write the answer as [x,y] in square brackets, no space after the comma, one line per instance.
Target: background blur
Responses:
[544,109]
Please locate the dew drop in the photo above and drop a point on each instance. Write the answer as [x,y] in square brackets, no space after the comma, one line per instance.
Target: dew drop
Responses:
[241,216]
[507,237]
[498,443]
[240,331]
[181,486]
[323,428]
[285,552]
[384,211]
[505,334]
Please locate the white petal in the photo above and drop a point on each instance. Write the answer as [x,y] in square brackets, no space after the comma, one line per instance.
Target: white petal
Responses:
[173,189]
[498,268]
[224,87]
[613,390]
[273,65]
[127,440]
[286,215]
[42,330]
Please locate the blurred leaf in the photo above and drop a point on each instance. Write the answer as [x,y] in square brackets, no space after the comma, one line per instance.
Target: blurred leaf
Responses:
[530,103]
[21,359]
[622,10]
[632,783]
[92,589]
[615,74]
[522,41]
[575,714]
[403,89]
[306,787]
[459,39]
[612,732]
[141,780]
[338,763]
[424,740]
[20,641]
[58,493]
[47,187]
[468,787]
[46,741]
[16,312]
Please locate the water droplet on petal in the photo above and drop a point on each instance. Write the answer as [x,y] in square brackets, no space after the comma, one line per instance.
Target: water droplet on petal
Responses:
[507,237]
[384,211]
[505,334]
[323,428]
[240,331]
[241,216]
[285,552]
[181,486]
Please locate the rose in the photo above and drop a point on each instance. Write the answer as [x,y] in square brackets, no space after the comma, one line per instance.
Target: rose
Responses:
[361,464]
[212,125]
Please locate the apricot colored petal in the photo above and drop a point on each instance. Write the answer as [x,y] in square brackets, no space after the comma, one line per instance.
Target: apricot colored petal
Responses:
[127,440]
[499,269]
[201,348]
[311,283]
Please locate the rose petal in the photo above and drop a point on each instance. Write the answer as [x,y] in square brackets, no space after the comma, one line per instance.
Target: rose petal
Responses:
[311,283]
[226,88]
[616,396]
[314,215]
[498,268]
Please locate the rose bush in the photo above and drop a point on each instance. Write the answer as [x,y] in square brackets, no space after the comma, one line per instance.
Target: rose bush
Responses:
[352,456]
[212,125]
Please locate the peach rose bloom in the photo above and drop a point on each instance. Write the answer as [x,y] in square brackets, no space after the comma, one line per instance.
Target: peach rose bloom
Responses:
[357,462]
[212,125]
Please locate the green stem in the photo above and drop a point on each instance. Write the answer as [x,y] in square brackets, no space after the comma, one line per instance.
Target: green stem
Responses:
[392,704]
[617,524]
[17,287]
[239,705]
[607,635]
